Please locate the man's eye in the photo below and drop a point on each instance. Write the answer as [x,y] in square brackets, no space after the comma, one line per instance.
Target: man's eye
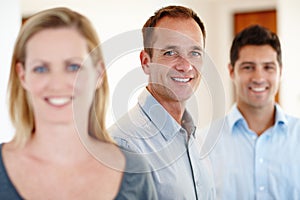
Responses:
[73,67]
[247,67]
[195,53]
[268,67]
[170,53]
[41,69]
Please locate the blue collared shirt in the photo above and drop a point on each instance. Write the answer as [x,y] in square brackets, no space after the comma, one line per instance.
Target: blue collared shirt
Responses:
[249,167]
[177,167]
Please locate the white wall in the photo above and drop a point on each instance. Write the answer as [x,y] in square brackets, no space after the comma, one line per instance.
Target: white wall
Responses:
[289,33]
[10,20]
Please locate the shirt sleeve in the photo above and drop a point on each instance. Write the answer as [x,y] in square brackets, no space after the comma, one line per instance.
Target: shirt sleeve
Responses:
[137,181]
[125,143]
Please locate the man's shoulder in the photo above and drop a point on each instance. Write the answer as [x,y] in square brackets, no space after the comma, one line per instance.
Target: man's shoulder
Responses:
[128,122]
[283,117]
[293,118]
[218,125]
[293,124]
[122,131]
[130,128]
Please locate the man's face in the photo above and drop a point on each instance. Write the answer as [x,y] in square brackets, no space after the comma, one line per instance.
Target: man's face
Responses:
[256,76]
[177,56]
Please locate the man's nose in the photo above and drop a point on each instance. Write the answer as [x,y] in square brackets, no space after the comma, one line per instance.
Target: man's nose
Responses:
[184,65]
[258,75]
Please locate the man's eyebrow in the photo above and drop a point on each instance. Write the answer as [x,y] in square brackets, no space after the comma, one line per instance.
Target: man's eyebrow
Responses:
[254,63]
[247,63]
[196,47]
[199,48]
[269,63]
[169,47]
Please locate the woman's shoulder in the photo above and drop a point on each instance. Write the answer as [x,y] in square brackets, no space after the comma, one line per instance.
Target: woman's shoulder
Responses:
[7,189]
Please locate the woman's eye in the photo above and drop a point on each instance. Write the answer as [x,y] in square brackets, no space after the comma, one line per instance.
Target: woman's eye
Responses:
[73,67]
[41,69]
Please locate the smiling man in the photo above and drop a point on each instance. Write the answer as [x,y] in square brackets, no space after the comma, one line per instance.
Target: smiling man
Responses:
[159,127]
[255,157]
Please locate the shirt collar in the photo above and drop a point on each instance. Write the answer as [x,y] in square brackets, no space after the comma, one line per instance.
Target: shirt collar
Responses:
[280,118]
[163,121]
[235,117]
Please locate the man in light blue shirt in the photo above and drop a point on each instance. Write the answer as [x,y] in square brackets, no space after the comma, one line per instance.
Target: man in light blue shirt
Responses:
[159,127]
[256,156]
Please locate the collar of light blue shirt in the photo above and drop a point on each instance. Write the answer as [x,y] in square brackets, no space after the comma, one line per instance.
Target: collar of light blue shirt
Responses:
[156,113]
[235,117]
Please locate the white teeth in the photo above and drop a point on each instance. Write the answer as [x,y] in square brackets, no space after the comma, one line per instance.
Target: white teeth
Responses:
[182,80]
[258,89]
[59,101]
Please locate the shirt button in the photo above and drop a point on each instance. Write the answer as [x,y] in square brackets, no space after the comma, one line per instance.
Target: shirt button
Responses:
[254,137]
[261,160]
[261,188]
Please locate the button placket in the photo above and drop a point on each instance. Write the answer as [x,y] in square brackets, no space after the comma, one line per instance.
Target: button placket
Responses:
[260,168]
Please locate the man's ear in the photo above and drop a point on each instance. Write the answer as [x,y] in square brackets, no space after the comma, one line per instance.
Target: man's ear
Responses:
[20,69]
[145,61]
[231,71]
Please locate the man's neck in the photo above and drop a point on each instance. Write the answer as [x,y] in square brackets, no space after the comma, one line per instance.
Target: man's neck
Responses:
[258,119]
[174,108]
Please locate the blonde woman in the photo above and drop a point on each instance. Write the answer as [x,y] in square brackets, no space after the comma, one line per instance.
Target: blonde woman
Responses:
[57,99]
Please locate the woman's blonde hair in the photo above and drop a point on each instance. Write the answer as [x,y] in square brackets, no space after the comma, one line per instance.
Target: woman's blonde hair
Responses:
[21,112]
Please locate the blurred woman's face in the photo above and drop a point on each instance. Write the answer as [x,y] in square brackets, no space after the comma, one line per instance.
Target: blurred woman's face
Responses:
[59,76]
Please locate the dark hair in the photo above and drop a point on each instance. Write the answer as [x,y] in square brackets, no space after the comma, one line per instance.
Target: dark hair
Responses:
[254,35]
[169,11]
